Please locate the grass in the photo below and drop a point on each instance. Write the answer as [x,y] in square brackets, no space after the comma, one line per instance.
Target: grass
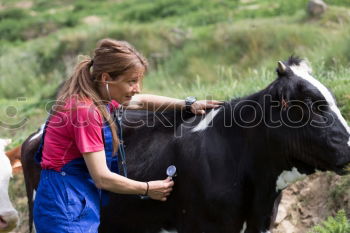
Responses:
[241,46]
[210,49]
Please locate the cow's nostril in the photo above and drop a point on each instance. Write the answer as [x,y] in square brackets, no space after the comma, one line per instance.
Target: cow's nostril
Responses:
[8,221]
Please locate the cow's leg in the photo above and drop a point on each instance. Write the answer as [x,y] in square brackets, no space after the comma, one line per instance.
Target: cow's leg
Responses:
[202,220]
[193,220]
[31,172]
[31,217]
[186,222]
[209,227]
[262,212]
[257,223]
[30,196]
[29,191]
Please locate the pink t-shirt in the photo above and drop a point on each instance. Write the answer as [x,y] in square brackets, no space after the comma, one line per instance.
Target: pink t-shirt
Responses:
[72,132]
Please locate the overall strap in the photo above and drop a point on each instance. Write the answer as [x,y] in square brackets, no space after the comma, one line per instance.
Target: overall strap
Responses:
[112,159]
[121,148]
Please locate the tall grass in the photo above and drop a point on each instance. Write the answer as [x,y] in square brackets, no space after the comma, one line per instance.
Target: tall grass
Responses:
[180,52]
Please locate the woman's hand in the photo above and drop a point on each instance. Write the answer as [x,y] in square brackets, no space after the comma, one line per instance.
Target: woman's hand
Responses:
[160,189]
[199,106]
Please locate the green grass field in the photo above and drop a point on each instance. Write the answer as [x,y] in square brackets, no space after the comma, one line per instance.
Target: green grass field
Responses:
[218,49]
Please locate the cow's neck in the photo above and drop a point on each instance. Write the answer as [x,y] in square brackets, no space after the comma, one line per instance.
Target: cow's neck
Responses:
[265,148]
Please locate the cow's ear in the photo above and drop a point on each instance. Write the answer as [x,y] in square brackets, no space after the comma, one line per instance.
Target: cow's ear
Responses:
[16,166]
[281,69]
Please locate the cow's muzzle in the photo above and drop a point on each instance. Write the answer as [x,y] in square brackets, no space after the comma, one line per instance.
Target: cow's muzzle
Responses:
[8,221]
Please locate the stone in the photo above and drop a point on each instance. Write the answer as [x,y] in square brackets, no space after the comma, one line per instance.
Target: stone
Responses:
[316,8]
[282,214]
[288,227]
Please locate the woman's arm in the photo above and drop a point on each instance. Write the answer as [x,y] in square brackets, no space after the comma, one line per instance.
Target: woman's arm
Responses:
[156,103]
[105,179]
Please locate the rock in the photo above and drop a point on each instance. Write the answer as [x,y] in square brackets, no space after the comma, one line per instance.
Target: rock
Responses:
[316,8]
[92,19]
[282,214]
[287,227]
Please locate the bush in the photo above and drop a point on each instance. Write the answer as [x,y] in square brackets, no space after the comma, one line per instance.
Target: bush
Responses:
[13,13]
[337,224]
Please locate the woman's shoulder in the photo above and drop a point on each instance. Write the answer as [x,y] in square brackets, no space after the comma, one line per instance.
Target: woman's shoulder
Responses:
[82,109]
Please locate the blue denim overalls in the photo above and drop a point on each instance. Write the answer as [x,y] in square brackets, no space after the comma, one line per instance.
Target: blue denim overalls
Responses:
[68,201]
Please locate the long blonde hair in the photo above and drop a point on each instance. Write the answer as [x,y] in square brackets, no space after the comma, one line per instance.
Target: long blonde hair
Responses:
[111,56]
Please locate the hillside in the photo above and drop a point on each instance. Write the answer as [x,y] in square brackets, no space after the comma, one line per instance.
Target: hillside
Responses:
[218,49]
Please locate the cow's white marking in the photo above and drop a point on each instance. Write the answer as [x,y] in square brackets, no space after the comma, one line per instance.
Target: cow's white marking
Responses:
[39,133]
[203,124]
[266,232]
[244,227]
[304,71]
[288,177]
[165,231]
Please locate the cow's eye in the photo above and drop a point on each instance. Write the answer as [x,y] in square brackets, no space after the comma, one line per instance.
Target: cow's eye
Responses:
[308,101]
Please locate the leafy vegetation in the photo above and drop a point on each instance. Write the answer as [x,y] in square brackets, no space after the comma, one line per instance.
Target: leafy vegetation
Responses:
[337,224]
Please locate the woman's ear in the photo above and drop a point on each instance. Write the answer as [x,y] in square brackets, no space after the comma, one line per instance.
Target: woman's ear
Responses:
[105,77]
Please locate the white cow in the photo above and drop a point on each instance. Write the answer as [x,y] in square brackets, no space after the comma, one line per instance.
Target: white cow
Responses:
[8,215]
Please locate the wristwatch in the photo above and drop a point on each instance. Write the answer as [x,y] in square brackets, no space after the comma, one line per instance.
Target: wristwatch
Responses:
[188,102]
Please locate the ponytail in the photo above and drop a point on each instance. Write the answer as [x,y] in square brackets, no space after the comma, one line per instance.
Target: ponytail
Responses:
[82,85]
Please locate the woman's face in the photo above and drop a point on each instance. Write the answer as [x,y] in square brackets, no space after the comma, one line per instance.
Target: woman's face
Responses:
[125,85]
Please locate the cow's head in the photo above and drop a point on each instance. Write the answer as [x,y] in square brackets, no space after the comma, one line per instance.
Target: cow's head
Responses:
[314,133]
[8,215]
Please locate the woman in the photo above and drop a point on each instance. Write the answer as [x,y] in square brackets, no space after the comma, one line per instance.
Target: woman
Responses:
[80,140]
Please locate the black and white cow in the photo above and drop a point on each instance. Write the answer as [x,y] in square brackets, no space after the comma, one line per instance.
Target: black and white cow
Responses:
[233,162]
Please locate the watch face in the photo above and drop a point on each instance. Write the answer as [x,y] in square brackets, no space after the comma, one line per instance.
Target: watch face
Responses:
[190,100]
